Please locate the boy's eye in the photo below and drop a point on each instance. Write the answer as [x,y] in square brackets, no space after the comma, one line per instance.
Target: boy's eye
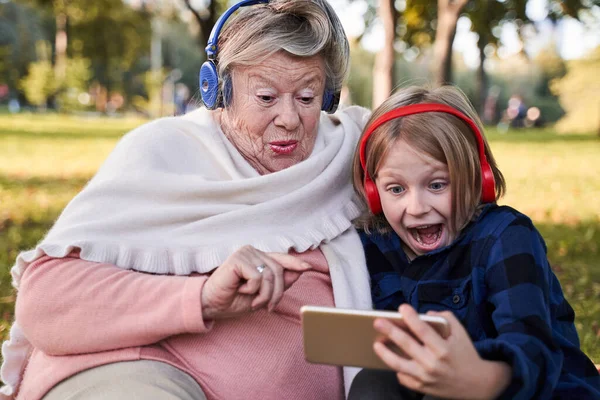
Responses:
[438,185]
[396,189]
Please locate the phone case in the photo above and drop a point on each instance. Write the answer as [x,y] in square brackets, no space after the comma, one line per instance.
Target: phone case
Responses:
[345,337]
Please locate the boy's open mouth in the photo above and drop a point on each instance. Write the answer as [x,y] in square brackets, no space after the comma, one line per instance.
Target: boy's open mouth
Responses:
[428,236]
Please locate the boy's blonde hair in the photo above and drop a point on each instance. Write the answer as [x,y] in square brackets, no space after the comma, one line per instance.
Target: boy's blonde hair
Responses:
[442,136]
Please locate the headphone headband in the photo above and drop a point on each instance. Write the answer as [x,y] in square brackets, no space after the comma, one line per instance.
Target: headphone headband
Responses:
[212,95]
[212,46]
[488,185]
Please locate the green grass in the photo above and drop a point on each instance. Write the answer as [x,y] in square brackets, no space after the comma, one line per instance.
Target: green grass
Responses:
[44,161]
[555,179]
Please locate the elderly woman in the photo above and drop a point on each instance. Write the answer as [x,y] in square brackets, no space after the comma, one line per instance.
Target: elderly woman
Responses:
[180,269]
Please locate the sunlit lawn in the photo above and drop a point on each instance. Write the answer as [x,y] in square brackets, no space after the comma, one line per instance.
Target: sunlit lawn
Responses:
[46,160]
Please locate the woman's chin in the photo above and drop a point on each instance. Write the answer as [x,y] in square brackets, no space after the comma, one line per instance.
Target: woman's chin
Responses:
[280,163]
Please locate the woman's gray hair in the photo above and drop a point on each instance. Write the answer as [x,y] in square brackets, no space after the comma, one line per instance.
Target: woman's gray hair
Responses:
[303,28]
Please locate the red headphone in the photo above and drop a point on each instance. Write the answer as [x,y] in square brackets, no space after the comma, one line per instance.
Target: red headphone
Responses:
[488,185]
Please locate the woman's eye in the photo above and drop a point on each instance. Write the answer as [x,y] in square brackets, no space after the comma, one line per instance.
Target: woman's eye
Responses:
[265,98]
[306,100]
[396,189]
[438,185]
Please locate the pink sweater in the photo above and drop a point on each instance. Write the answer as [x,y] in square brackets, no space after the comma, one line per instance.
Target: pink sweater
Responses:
[80,314]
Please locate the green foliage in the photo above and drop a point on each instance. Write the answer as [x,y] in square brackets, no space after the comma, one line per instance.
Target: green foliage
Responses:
[419,20]
[21,28]
[40,83]
[360,80]
[553,178]
[551,66]
[45,160]
[76,82]
[5,67]
[578,93]
[113,36]
[182,52]
[487,16]
[573,250]
[151,105]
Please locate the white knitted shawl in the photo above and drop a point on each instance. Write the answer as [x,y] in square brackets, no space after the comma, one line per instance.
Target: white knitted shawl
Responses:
[176,197]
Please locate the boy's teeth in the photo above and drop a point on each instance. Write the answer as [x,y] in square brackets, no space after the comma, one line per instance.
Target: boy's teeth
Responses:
[417,235]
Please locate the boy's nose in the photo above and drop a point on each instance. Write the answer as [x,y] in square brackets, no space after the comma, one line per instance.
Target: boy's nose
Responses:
[417,204]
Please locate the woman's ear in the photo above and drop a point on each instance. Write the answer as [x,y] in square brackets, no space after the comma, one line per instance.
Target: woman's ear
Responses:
[227,91]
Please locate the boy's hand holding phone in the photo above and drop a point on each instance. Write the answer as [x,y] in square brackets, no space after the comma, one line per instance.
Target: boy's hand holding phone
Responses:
[448,368]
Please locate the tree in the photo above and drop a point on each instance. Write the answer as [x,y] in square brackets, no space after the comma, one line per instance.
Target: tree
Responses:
[448,12]
[206,18]
[383,70]
[181,51]
[39,84]
[109,33]
[578,94]
[21,38]
[60,9]
[114,37]
[429,22]
[486,17]
[551,67]
[417,24]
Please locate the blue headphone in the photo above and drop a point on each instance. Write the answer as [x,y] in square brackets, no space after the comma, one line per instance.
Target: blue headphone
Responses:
[209,77]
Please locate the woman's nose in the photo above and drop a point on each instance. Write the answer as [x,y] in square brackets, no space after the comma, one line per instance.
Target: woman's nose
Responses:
[288,116]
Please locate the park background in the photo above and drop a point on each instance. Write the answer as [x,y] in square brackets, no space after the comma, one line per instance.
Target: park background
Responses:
[75,75]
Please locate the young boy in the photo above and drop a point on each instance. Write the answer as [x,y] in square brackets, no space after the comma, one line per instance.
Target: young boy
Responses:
[436,242]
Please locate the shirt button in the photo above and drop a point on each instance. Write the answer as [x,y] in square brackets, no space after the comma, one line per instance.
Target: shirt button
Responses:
[456,299]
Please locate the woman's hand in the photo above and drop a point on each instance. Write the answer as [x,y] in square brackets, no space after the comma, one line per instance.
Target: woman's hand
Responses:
[448,368]
[238,286]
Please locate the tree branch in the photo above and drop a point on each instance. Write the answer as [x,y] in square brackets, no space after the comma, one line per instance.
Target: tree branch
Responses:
[206,23]
[194,12]
[454,6]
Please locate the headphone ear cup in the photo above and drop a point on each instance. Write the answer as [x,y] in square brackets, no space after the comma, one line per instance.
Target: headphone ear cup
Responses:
[330,101]
[327,100]
[488,184]
[373,200]
[209,85]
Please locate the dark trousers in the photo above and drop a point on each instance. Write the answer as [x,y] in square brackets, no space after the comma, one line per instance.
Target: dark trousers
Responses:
[374,384]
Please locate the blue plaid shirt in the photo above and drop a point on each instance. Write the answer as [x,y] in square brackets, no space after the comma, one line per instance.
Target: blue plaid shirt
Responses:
[495,277]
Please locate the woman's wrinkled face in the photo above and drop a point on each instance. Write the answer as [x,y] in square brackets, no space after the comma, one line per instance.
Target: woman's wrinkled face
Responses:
[273,117]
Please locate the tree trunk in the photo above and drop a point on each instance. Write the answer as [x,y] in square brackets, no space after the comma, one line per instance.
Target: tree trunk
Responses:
[383,70]
[448,13]
[205,20]
[156,64]
[60,45]
[482,80]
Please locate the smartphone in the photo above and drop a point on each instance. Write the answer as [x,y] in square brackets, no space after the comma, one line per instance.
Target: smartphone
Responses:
[338,336]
